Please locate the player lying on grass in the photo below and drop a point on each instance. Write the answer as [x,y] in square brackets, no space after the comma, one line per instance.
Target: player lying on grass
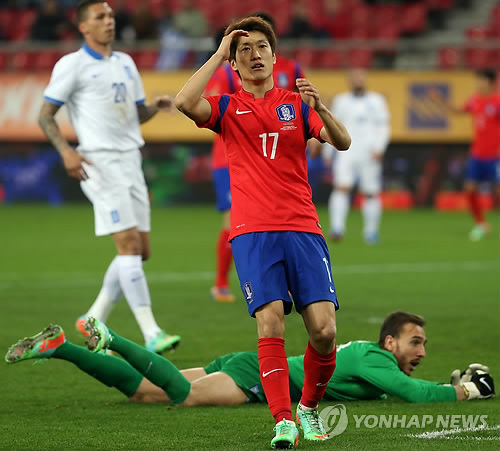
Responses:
[366,370]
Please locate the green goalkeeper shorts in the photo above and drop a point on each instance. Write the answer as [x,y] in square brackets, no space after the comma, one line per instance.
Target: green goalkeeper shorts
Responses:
[243,368]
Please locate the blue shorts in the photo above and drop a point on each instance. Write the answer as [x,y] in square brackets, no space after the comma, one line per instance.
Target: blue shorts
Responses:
[483,170]
[222,189]
[269,264]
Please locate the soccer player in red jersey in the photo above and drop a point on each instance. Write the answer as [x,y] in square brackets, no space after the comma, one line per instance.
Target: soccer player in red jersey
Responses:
[278,246]
[484,158]
[224,81]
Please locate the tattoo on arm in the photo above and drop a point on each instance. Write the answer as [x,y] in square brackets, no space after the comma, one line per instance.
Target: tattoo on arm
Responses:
[50,128]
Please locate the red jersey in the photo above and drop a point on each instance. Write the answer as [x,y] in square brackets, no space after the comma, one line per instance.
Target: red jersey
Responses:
[265,143]
[485,111]
[224,81]
[285,72]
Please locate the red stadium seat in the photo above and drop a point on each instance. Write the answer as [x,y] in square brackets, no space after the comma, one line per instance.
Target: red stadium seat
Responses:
[330,59]
[414,19]
[450,58]
[45,60]
[477,58]
[477,32]
[146,59]
[440,4]
[305,57]
[359,58]
[4,61]
[22,61]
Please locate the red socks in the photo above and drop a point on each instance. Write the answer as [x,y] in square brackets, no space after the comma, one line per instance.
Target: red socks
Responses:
[224,259]
[318,370]
[273,367]
[475,207]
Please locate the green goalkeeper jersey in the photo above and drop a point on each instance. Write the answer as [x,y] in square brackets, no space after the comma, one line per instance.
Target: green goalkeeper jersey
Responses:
[365,371]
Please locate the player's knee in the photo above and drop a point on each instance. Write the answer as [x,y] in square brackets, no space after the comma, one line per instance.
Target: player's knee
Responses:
[324,336]
[130,245]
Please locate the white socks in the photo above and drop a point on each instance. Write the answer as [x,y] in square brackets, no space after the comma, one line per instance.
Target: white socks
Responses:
[110,293]
[338,207]
[135,288]
[372,210]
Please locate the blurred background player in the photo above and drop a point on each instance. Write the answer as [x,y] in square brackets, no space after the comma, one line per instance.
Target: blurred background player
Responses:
[105,98]
[484,157]
[366,117]
[224,81]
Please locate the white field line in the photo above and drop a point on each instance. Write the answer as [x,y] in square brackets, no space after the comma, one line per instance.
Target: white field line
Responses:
[456,433]
[91,278]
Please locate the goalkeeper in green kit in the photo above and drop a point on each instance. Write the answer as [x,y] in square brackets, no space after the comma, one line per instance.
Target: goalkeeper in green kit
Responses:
[365,370]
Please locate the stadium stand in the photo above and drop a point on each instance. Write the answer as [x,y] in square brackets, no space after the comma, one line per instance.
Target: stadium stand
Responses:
[367,33]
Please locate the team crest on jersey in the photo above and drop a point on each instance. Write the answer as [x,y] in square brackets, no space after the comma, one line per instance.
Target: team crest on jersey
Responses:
[286,112]
[490,109]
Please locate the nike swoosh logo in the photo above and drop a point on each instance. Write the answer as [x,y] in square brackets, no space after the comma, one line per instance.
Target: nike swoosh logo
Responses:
[332,290]
[242,112]
[485,383]
[264,374]
[95,75]
[321,385]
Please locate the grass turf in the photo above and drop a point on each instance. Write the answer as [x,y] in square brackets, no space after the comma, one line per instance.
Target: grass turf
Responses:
[51,268]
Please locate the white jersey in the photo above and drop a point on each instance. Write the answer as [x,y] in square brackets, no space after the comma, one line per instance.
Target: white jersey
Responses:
[101,94]
[366,118]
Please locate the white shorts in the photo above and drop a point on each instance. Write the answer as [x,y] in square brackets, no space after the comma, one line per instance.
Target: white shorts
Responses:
[347,171]
[117,190]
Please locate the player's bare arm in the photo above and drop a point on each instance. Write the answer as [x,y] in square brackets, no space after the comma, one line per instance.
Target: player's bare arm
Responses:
[189,100]
[162,103]
[333,131]
[72,160]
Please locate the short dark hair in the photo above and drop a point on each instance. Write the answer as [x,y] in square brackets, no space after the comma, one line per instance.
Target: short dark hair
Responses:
[82,8]
[489,74]
[266,16]
[251,24]
[394,322]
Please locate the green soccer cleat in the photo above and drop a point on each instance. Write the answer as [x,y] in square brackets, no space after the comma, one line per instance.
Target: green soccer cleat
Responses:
[479,232]
[312,424]
[99,336]
[287,435]
[40,346]
[162,342]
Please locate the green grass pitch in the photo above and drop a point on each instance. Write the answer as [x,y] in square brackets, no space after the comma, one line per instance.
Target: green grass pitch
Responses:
[51,267]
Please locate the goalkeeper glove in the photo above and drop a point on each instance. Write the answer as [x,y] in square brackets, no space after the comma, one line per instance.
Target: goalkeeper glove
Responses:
[481,386]
[459,378]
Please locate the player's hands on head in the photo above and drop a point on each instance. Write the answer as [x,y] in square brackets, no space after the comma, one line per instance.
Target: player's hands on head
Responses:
[460,377]
[165,103]
[309,93]
[73,163]
[225,44]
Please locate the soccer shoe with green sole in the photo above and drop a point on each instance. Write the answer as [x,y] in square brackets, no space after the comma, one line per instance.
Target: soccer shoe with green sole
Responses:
[163,342]
[99,336]
[40,346]
[287,435]
[479,231]
[312,424]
